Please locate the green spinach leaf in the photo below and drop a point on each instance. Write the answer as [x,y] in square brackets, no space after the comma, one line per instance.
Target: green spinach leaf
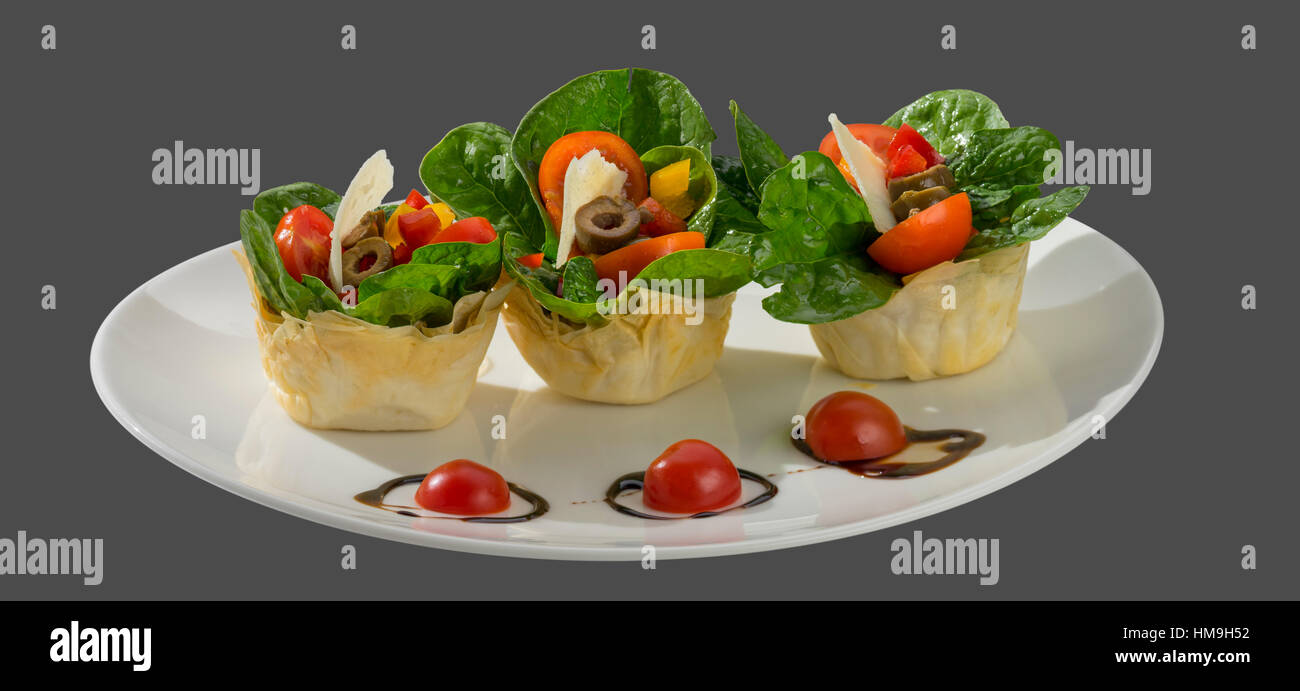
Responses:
[470,170]
[404,306]
[703,183]
[273,281]
[479,263]
[831,289]
[722,272]
[644,107]
[1003,158]
[992,207]
[440,279]
[760,155]
[733,183]
[328,299]
[947,119]
[580,280]
[272,204]
[1029,222]
[812,213]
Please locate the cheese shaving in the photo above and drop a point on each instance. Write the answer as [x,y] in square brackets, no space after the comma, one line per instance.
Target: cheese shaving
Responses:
[367,190]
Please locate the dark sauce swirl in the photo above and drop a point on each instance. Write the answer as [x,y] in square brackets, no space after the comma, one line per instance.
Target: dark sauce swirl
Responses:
[964,442]
[636,481]
[375,497]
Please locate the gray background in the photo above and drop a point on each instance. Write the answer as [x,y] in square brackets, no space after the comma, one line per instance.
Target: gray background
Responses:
[1198,464]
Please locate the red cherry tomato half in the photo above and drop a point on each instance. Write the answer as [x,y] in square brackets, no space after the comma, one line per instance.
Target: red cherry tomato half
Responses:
[852,426]
[303,238]
[689,477]
[532,261]
[876,137]
[931,237]
[472,229]
[416,201]
[910,137]
[662,221]
[464,488]
[419,228]
[555,163]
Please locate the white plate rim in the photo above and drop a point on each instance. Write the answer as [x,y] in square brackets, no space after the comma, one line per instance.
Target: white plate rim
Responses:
[508,548]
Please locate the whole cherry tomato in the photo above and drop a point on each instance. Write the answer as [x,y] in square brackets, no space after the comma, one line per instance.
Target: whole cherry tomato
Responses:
[689,477]
[852,426]
[464,488]
[303,238]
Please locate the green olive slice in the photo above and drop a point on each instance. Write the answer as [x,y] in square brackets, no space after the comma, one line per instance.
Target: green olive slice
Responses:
[912,202]
[371,225]
[934,176]
[375,247]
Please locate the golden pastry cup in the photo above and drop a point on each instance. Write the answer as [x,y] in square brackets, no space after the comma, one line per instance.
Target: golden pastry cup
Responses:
[948,319]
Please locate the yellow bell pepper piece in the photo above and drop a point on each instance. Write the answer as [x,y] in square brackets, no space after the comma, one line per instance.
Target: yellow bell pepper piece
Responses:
[445,215]
[670,186]
[392,235]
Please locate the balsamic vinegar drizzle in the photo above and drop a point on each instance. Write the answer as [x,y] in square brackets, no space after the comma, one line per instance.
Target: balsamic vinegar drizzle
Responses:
[375,497]
[960,443]
[636,481]
[965,441]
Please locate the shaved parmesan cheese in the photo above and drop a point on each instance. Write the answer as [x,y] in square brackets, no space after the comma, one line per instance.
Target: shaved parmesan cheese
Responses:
[585,179]
[869,172]
[366,191]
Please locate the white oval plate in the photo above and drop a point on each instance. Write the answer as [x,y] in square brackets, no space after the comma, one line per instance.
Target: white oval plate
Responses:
[183,345]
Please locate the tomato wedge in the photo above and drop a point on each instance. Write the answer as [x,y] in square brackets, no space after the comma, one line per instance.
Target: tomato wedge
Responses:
[532,261]
[624,263]
[932,236]
[472,229]
[555,163]
[877,137]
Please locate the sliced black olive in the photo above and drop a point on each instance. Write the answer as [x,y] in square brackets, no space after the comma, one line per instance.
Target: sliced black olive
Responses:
[912,202]
[605,224]
[934,176]
[371,225]
[369,247]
